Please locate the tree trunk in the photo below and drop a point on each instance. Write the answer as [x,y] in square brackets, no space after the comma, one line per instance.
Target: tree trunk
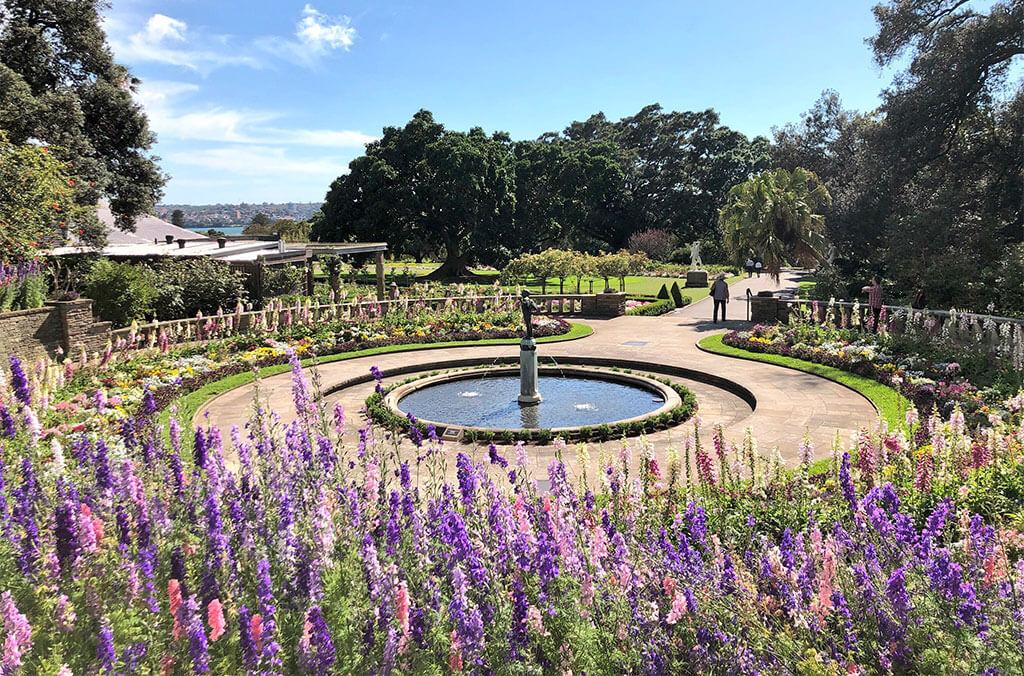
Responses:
[455,265]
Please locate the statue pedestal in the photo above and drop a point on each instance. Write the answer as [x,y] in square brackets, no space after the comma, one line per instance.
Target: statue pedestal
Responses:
[696,278]
[528,393]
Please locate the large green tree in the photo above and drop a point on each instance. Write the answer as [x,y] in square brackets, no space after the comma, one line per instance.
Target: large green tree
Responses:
[38,203]
[776,216]
[59,85]
[422,185]
[678,166]
[929,189]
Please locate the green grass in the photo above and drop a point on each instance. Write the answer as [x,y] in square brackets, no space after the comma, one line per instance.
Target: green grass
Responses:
[189,404]
[890,404]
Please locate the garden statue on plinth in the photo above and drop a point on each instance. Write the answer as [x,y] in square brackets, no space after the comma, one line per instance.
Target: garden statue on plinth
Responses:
[528,393]
[695,262]
[696,276]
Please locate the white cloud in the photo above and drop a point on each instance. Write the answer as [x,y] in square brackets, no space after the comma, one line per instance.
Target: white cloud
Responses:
[164,39]
[323,32]
[316,35]
[260,161]
[170,120]
[168,40]
[161,27]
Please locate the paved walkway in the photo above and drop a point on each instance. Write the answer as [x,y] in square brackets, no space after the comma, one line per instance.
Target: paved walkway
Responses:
[790,404]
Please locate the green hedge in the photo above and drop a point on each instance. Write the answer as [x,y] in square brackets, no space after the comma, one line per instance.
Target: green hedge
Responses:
[654,308]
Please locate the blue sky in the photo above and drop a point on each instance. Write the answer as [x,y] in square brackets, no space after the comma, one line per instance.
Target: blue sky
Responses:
[268,100]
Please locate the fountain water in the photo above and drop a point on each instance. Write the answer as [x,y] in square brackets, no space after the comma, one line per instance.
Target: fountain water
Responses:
[486,399]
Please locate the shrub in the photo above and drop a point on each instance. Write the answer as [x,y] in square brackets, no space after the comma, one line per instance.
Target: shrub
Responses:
[656,243]
[654,309]
[121,292]
[22,286]
[677,295]
[282,280]
[663,293]
[199,284]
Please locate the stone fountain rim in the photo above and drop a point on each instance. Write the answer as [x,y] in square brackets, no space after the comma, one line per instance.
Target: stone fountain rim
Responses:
[669,395]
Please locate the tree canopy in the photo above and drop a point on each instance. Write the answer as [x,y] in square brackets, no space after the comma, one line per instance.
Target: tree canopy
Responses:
[486,199]
[38,203]
[776,217]
[60,86]
[929,189]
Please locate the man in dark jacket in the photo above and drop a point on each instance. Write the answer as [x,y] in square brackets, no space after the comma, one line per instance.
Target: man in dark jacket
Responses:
[720,294]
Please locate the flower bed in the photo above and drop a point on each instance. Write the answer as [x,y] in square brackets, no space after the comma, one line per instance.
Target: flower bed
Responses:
[297,550]
[925,382]
[124,375]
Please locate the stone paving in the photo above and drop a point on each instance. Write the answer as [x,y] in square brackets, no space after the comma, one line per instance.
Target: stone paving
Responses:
[790,403]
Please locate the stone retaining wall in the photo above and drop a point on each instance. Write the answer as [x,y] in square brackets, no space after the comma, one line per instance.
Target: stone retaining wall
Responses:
[61,325]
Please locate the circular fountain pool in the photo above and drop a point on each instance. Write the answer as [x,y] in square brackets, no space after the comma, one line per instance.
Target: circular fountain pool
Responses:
[573,397]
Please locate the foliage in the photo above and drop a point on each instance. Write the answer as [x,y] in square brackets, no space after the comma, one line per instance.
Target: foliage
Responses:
[936,174]
[896,559]
[283,280]
[22,286]
[663,293]
[775,216]
[653,308]
[286,228]
[487,199]
[426,187]
[678,167]
[187,286]
[121,292]
[39,202]
[656,244]
[677,295]
[60,85]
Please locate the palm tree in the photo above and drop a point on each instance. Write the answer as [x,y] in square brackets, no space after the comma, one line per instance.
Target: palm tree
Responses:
[774,216]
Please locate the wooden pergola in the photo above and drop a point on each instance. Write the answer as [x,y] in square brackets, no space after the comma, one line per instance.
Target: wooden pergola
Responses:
[316,249]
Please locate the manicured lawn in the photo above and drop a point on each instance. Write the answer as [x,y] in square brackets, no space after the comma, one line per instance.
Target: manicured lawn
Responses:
[190,403]
[891,405]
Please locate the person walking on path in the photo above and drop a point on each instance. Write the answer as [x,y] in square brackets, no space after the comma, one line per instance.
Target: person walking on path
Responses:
[757,267]
[874,292]
[720,294]
[749,265]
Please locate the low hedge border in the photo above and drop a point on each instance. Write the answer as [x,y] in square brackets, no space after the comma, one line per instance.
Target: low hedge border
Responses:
[890,404]
[192,393]
[655,306]
[381,415]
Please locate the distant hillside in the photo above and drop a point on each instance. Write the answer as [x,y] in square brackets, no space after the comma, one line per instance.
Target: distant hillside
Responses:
[226,215]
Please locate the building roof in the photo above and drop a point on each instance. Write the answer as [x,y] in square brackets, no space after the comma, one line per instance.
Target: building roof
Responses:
[147,229]
[150,241]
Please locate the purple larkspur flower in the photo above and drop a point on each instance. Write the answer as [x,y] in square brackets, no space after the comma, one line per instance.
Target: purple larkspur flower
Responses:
[265,593]
[198,647]
[466,617]
[899,598]
[249,656]
[7,425]
[518,637]
[19,382]
[495,458]
[106,655]
[468,480]
[320,653]
[846,482]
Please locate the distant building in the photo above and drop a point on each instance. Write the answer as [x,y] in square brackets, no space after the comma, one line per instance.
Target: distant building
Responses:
[155,238]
